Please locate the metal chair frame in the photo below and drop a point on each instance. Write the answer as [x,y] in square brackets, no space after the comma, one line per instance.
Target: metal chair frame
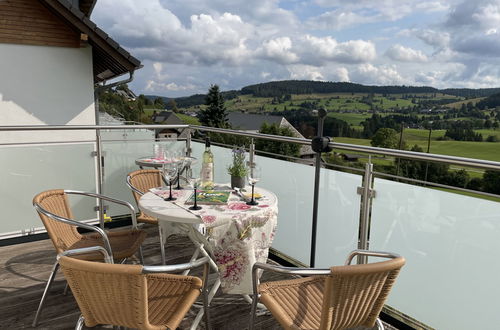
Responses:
[307,272]
[100,231]
[204,261]
[160,230]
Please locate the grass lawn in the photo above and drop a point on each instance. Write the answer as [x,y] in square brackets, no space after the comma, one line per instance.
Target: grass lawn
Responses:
[351,118]
[478,150]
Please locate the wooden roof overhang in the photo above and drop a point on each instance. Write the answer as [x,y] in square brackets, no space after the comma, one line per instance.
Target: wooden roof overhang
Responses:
[109,58]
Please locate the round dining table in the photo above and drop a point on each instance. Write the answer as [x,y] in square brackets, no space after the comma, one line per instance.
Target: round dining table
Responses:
[236,235]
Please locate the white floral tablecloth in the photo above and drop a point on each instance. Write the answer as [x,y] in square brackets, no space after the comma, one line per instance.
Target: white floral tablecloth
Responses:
[238,234]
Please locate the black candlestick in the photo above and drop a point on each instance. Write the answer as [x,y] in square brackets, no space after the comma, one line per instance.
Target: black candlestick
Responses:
[195,206]
[253,201]
[170,197]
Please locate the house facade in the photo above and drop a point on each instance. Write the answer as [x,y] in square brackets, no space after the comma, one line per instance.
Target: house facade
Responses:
[51,58]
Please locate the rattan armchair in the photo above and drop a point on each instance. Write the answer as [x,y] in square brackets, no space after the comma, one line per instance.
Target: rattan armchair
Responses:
[140,182]
[54,211]
[337,298]
[133,296]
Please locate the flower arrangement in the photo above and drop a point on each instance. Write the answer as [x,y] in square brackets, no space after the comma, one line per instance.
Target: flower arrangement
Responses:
[238,167]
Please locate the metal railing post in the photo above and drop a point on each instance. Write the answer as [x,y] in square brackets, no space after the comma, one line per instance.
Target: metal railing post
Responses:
[317,172]
[100,176]
[367,193]
[188,143]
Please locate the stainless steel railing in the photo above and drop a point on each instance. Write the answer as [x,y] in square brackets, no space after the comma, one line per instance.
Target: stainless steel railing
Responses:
[366,190]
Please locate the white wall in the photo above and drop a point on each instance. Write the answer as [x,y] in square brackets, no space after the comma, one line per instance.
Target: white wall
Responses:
[46,86]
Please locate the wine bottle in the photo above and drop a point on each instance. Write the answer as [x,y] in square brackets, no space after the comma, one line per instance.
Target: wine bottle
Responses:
[207,167]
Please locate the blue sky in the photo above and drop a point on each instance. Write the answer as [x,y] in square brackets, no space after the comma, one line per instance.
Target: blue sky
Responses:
[187,45]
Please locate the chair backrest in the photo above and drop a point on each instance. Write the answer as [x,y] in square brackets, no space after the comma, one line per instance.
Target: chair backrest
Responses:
[355,294]
[143,180]
[62,235]
[121,295]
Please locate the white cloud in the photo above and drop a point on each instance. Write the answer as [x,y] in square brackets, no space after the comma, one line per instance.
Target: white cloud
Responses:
[320,50]
[155,86]
[279,49]
[405,54]
[305,72]
[336,20]
[383,75]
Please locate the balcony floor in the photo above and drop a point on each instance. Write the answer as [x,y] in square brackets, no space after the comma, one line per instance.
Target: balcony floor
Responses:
[24,269]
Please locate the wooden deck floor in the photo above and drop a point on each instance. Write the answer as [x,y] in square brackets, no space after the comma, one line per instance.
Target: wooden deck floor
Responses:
[24,269]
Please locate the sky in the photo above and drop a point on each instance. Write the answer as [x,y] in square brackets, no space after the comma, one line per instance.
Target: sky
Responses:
[188,45]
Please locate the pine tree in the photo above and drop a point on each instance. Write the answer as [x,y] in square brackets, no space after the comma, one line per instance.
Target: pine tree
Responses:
[215,113]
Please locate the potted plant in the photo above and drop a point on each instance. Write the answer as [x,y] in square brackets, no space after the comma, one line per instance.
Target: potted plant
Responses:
[238,169]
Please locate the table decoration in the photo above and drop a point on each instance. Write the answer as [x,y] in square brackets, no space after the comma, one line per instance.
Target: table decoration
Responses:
[237,169]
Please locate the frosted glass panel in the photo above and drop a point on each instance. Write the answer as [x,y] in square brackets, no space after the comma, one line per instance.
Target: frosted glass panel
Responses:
[338,217]
[119,160]
[451,244]
[293,183]
[29,170]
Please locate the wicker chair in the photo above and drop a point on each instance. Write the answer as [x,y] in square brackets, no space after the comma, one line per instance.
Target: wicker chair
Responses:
[337,298]
[140,182]
[54,211]
[133,296]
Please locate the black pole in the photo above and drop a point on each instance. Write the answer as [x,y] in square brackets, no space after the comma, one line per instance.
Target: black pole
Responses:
[321,121]
[428,149]
[400,146]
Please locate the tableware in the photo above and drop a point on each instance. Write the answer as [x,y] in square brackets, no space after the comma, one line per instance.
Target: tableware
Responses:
[194,182]
[181,162]
[169,171]
[253,177]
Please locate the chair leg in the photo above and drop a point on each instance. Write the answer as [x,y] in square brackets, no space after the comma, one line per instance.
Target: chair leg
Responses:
[44,295]
[206,271]
[65,292]
[253,312]
[79,323]
[141,255]
[162,246]
[380,325]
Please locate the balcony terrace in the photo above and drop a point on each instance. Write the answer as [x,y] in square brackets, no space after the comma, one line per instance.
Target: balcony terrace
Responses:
[446,237]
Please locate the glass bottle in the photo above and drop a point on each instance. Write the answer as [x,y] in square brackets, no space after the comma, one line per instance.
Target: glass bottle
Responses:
[207,167]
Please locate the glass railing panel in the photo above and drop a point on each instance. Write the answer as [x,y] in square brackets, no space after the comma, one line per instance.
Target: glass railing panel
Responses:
[293,183]
[451,245]
[338,216]
[30,169]
[121,149]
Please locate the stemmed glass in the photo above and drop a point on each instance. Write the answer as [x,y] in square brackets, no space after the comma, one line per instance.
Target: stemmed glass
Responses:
[182,162]
[194,183]
[169,171]
[253,177]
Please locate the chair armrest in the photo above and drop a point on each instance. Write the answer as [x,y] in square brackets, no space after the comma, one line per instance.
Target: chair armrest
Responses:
[283,270]
[174,268]
[131,186]
[205,261]
[71,222]
[291,270]
[107,257]
[368,253]
[109,199]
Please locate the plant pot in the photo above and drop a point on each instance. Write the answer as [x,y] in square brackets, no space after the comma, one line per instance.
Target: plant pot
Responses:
[237,182]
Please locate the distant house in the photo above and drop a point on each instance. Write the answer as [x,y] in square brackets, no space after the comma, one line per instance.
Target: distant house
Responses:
[168,118]
[253,122]
[52,57]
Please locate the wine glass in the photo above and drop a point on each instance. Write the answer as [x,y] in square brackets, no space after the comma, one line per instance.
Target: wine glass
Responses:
[253,177]
[194,183]
[169,171]
[181,164]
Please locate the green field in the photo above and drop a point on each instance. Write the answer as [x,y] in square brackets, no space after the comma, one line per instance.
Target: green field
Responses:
[478,150]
